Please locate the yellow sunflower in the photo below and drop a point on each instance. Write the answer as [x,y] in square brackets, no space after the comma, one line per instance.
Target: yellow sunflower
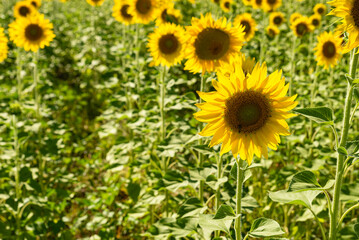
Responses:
[257,4]
[239,61]
[271,5]
[211,43]
[315,20]
[249,24]
[95,3]
[246,114]
[167,44]
[120,12]
[294,17]
[348,10]
[143,11]
[168,14]
[247,2]
[31,33]
[3,45]
[226,5]
[272,31]
[35,3]
[301,26]
[23,9]
[328,49]
[321,9]
[276,18]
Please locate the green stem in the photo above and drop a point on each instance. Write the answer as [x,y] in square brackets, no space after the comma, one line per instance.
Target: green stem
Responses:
[18,73]
[36,81]
[218,191]
[240,177]
[200,142]
[346,212]
[162,102]
[17,160]
[343,141]
[320,225]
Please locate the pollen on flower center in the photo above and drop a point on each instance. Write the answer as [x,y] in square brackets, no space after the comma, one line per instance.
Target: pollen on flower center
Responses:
[33,32]
[355,12]
[168,44]
[212,44]
[247,111]
[143,6]
[329,50]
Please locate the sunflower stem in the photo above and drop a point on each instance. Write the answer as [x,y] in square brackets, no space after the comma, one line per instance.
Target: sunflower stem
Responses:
[36,90]
[240,177]
[137,77]
[200,142]
[218,191]
[343,141]
[18,73]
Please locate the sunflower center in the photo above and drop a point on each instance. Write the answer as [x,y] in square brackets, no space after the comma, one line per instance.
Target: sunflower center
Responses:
[226,5]
[247,26]
[320,10]
[24,11]
[329,50]
[258,2]
[33,3]
[168,44]
[143,6]
[124,11]
[301,29]
[212,44]
[216,1]
[247,111]
[271,1]
[277,20]
[271,32]
[355,12]
[33,32]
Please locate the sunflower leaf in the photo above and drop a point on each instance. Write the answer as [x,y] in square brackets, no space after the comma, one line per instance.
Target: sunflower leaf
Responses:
[264,227]
[317,114]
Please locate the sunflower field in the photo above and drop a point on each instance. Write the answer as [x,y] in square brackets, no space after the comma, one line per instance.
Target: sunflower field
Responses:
[179,119]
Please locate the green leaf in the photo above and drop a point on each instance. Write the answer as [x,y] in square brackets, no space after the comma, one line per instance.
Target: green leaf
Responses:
[208,224]
[264,227]
[356,229]
[342,151]
[133,190]
[25,174]
[191,207]
[298,198]
[303,181]
[225,211]
[317,114]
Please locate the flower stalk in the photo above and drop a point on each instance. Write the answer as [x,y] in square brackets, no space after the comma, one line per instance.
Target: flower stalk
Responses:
[240,178]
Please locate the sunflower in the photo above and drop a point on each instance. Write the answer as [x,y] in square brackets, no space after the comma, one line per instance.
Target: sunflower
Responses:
[249,24]
[31,33]
[120,12]
[328,49]
[239,61]
[23,9]
[3,45]
[321,9]
[226,5]
[95,3]
[143,11]
[166,44]
[247,2]
[216,1]
[294,17]
[246,114]
[271,5]
[168,14]
[257,4]
[35,3]
[272,31]
[276,18]
[211,43]
[315,20]
[301,26]
[349,11]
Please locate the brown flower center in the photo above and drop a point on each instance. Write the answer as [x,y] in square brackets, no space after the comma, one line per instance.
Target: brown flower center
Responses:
[33,3]
[271,2]
[247,111]
[33,32]
[301,29]
[216,1]
[329,49]
[259,2]
[227,5]
[315,22]
[23,10]
[355,13]
[320,10]
[277,20]
[168,44]
[247,27]
[143,6]
[124,12]
[212,44]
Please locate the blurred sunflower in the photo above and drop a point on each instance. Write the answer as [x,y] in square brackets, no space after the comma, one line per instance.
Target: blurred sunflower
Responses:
[246,114]
[301,26]
[328,49]
[249,24]
[294,17]
[166,44]
[143,11]
[95,3]
[168,14]
[120,12]
[271,5]
[35,3]
[276,18]
[315,20]
[3,45]
[348,10]
[272,31]
[23,9]
[239,61]
[257,4]
[31,33]
[321,9]
[226,5]
[247,2]
[216,1]
[210,43]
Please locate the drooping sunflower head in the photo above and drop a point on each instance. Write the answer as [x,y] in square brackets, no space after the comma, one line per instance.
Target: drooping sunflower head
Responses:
[276,18]
[95,3]
[143,11]
[35,3]
[168,14]
[272,31]
[120,12]
[315,20]
[226,5]
[328,49]
[24,9]
[31,33]
[249,24]
[166,44]
[257,4]
[246,114]
[247,2]
[301,26]
[240,61]
[3,45]
[321,9]
[211,43]
[294,17]
[271,5]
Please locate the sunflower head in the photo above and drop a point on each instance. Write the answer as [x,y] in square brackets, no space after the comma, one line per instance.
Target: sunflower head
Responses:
[120,12]
[95,3]
[320,9]
[257,4]
[271,5]
[301,26]
[247,114]
[216,2]
[24,9]
[247,2]
[272,31]
[294,17]
[35,3]
[168,14]
[211,43]
[143,11]
[3,45]
[249,24]
[328,49]
[226,5]
[276,18]
[315,20]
